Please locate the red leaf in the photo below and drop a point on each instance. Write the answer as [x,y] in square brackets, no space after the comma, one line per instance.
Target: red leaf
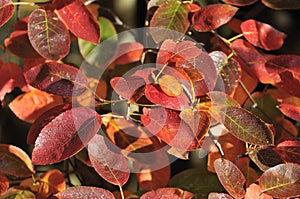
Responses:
[252,61]
[183,134]
[18,43]
[219,196]
[15,162]
[253,191]
[291,107]
[167,193]
[193,7]
[79,192]
[39,101]
[289,151]
[230,177]
[57,78]
[79,20]
[170,21]
[212,17]
[281,181]
[65,135]
[250,174]
[128,53]
[4,183]
[240,2]
[46,32]
[262,35]
[108,161]
[11,77]
[6,11]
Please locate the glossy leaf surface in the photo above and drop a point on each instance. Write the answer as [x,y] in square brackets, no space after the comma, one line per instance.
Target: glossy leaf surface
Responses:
[107,160]
[240,2]
[57,78]
[15,162]
[65,135]
[168,193]
[230,177]
[170,21]
[262,35]
[78,19]
[281,181]
[212,17]
[289,151]
[245,126]
[282,4]
[79,192]
[46,32]
[6,11]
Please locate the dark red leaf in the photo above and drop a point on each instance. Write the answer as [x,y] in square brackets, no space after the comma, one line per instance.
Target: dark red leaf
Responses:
[18,43]
[129,52]
[43,120]
[281,181]
[183,131]
[262,35]
[212,17]
[289,151]
[57,78]
[170,21]
[240,2]
[80,192]
[15,162]
[46,32]
[252,61]
[167,193]
[291,107]
[4,183]
[6,11]
[79,19]
[219,196]
[65,135]
[282,4]
[11,77]
[108,161]
[230,177]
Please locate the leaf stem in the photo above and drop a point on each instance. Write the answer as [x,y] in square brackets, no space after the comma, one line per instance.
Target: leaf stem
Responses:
[121,191]
[23,3]
[254,104]
[217,144]
[235,37]
[160,72]
[112,115]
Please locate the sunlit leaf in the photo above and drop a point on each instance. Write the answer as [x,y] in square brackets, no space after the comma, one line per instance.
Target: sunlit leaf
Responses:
[107,160]
[291,107]
[6,11]
[65,135]
[282,4]
[170,21]
[219,196]
[39,101]
[11,77]
[240,2]
[168,125]
[212,17]
[79,192]
[245,125]
[262,35]
[253,191]
[4,183]
[170,85]
[229,72]
[252,61]
[78,19]
[15,193]
[222,100]
[289,151]
[281,181]
[15,162]
[57,78]
[250,174]
[133,55]
[264,157]
[168,193]
[46,32]
[192,180]
[230,177]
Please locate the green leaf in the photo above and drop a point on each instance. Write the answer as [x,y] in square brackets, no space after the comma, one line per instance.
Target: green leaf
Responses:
[244,125]
[170,21]
[281,181]
[14,193]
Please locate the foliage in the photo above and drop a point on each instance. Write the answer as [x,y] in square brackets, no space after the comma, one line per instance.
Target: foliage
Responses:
[167,109]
